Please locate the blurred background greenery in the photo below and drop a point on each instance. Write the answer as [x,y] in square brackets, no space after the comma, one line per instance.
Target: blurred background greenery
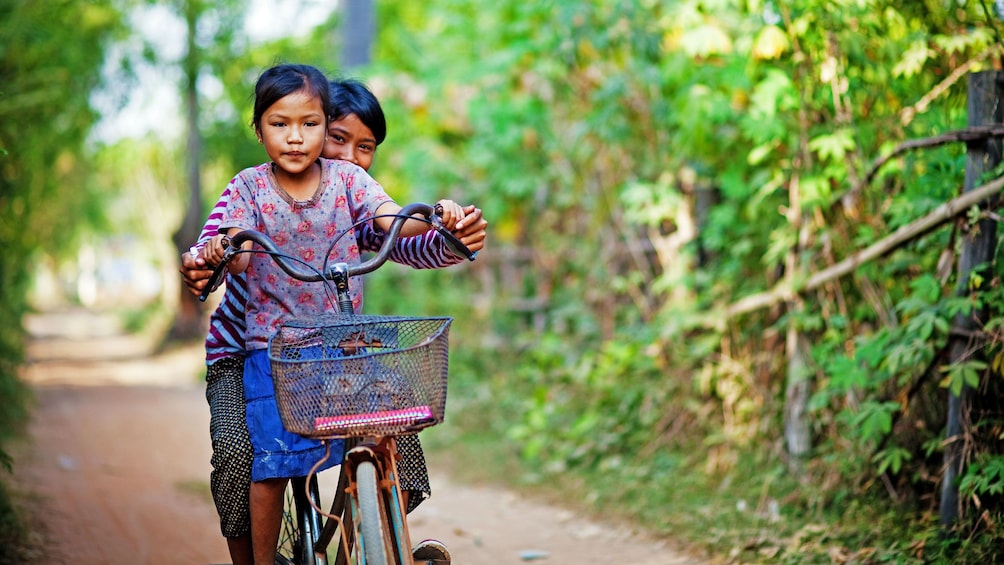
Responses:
[645,166]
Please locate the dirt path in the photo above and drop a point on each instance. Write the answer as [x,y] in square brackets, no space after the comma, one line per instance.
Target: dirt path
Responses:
[118,461]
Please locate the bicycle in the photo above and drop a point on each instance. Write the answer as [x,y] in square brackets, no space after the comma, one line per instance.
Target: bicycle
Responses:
[365,380]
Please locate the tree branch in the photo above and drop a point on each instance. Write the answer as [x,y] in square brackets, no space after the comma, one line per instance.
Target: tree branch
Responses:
[963,135]
[935,218]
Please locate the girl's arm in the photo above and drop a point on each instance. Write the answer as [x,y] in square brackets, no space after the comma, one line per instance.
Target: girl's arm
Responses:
[429,250]
[194,270]
[212,226]
[453,218]
[239,263]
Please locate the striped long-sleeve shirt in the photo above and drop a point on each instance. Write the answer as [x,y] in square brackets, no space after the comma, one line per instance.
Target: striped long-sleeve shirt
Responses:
[227,323]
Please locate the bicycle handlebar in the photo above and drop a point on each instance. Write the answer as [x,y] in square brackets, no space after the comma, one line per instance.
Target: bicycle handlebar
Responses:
[432,215]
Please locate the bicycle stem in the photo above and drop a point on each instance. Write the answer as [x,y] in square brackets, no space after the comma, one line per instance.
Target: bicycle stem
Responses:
[340,277]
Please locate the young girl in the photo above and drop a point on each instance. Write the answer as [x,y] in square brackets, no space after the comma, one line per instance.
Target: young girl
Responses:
[301,201]
[356,128]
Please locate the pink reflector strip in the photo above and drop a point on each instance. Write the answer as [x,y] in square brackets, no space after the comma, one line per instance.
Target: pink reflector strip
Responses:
[404,417]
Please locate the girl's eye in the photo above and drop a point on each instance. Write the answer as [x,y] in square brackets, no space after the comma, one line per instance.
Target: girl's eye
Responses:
[337,137]
[366,148]
[277,124]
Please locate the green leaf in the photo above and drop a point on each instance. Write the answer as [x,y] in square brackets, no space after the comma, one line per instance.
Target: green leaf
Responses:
[874,419]
[892,459]
[966,373]
[835,145]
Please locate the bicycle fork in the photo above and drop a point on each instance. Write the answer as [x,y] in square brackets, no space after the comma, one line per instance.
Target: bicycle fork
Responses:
[381,456]
[389,513]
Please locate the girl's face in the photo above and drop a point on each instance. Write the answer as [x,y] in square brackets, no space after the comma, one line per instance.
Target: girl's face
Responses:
[293,131]
[349,139]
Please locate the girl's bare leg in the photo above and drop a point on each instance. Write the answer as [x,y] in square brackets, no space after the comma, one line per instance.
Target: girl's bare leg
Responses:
[240,550]
[266,517]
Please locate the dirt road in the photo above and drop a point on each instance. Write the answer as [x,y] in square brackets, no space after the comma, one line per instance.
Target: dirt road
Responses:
[118,462]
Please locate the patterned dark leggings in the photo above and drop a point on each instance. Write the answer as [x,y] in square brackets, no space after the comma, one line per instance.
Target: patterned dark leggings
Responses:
[230,478]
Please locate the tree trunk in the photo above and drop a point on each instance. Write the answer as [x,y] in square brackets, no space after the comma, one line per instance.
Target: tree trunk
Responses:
[357,31]
[977,252]
[188,322]
[797,431]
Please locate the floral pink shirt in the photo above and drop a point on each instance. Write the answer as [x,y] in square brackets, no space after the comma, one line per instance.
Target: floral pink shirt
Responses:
[302,229]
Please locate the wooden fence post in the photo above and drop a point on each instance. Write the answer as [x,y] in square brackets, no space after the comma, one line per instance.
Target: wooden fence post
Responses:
[978,247]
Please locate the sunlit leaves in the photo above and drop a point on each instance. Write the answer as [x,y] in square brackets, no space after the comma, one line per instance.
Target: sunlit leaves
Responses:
[706,40]
[770,43]
[766,104]
[651,203]
[913,59]
[781,242]
[834,145]
[846,374]
[815,190]
[772,94]
[50,59]
[977,38]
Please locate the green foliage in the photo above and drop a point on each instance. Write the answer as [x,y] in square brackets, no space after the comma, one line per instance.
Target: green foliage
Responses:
[13,530]
[41,167]
[984,477]
[642,165]
[575,415]
[729,142]
[47,50]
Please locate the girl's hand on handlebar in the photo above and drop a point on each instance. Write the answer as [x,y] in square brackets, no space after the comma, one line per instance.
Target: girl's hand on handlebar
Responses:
[472,229]
[194,271]
[212,251]
[453,213]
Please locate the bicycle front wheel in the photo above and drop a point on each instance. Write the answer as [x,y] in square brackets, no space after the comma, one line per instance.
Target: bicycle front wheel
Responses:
[289,550]
[300,525]
[374,537]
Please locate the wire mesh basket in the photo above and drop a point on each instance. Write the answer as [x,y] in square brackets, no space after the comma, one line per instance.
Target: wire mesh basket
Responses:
[357,376]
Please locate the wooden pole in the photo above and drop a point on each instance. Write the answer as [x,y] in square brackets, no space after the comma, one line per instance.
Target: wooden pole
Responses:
[978,246]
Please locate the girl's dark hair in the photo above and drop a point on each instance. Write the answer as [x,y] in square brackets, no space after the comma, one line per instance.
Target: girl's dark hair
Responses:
[349,96]
[283,80]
